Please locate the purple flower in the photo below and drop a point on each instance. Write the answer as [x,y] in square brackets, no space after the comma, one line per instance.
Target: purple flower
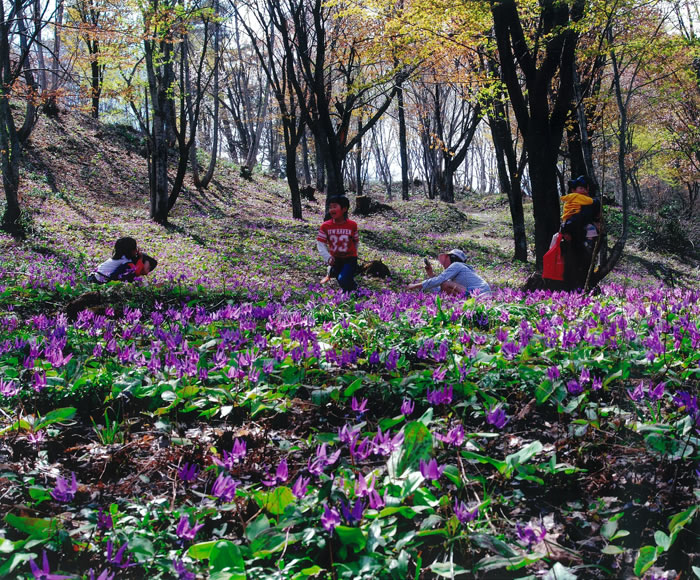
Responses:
[360,450]
[359,406]
[186,532]
[374,358]
[375,500]
[553,373]
[510,350]
[63,492]
[44,573]
[384,444]
[188,473]
[438,397]
[439,374]
[322,460]
[300,487]
[354,515]
[407,407]
[638,393]
[454,436]
[431,470]
[657,392]
[182,572]
[36,437]
[585,375]
[497,417]
[391,359]
[463,513]
[8,388]
[330,518]
[235,456]
[574,387]
[224,488]
[597,383]
[104,521]
[530,535]
[281,475]
[116,558]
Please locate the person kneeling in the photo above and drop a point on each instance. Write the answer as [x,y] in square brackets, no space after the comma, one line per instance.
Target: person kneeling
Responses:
[457,279]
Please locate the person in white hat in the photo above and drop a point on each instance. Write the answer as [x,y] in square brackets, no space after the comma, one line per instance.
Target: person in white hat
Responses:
[457,278]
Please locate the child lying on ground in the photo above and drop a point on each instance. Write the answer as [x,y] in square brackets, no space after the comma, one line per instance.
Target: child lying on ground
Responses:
[126,263]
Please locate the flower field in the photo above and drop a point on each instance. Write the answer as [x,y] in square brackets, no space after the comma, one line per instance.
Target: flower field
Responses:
[230,418]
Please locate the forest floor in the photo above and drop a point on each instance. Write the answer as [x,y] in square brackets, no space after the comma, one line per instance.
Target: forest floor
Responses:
[313,434]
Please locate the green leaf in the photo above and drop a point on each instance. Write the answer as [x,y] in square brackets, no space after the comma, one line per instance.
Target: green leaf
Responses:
[696,570]
[523,455]
[448,569]
[645,560]
[275,501]
[679,520]
[270,541]
[543,391]
[559,572]
[612,550]
[256,527]
[354,386]
[417,445]
[202,550]
[226,561]
[608,529]
[34,527]
[662,540]
[351,537]
[500,465]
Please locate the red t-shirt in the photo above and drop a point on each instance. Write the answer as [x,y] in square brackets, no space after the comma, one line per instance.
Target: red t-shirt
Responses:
[341,238]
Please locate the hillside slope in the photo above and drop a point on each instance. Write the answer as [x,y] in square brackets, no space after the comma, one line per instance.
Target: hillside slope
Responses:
[84,184]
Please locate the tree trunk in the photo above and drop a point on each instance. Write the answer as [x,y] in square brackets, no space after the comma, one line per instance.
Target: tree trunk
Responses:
[403,145]
[305,159]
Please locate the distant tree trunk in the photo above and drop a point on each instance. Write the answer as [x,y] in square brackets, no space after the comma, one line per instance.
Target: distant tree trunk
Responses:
[403,144]
[16,43]
[320,167]
[358,158]
[305,159]
[56,57]
[206,179]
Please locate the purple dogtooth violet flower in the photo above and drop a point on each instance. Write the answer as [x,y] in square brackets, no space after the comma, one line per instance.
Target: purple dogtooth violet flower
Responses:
[360,450]
[44,573]
[497,417]
[384,444]
[463,513]
[104,521]
[115,558]
[637,394]
[300,486]
[106,574]
[330,518]
[346,434]
[355,514]
[656,393]
[439,397]
[407,407]
[553,373]
[574,387]
[585,376]
[281,475]
[8,388]
[597,383]
[431,470]
[392,359]
[188,472]
[224,488]
[439,374]
[530,535]
[181,570]
[322,460]
[359,406]
[186,532]
[64,492]
[454,436]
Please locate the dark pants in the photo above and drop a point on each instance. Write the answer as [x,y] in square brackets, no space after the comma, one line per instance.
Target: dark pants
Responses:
[578,254]
[344,271]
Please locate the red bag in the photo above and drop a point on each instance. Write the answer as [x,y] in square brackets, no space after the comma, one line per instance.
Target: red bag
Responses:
[553,262]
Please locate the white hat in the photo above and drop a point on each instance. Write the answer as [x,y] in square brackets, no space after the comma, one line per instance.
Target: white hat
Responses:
[459,254]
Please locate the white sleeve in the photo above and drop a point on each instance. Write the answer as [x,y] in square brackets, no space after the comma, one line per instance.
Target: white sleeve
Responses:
[323,250]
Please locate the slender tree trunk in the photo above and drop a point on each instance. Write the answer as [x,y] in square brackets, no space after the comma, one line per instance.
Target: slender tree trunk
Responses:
[305,159]
[403,145]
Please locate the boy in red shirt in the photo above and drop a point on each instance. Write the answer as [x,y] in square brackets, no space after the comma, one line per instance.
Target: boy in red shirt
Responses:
[337,242]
